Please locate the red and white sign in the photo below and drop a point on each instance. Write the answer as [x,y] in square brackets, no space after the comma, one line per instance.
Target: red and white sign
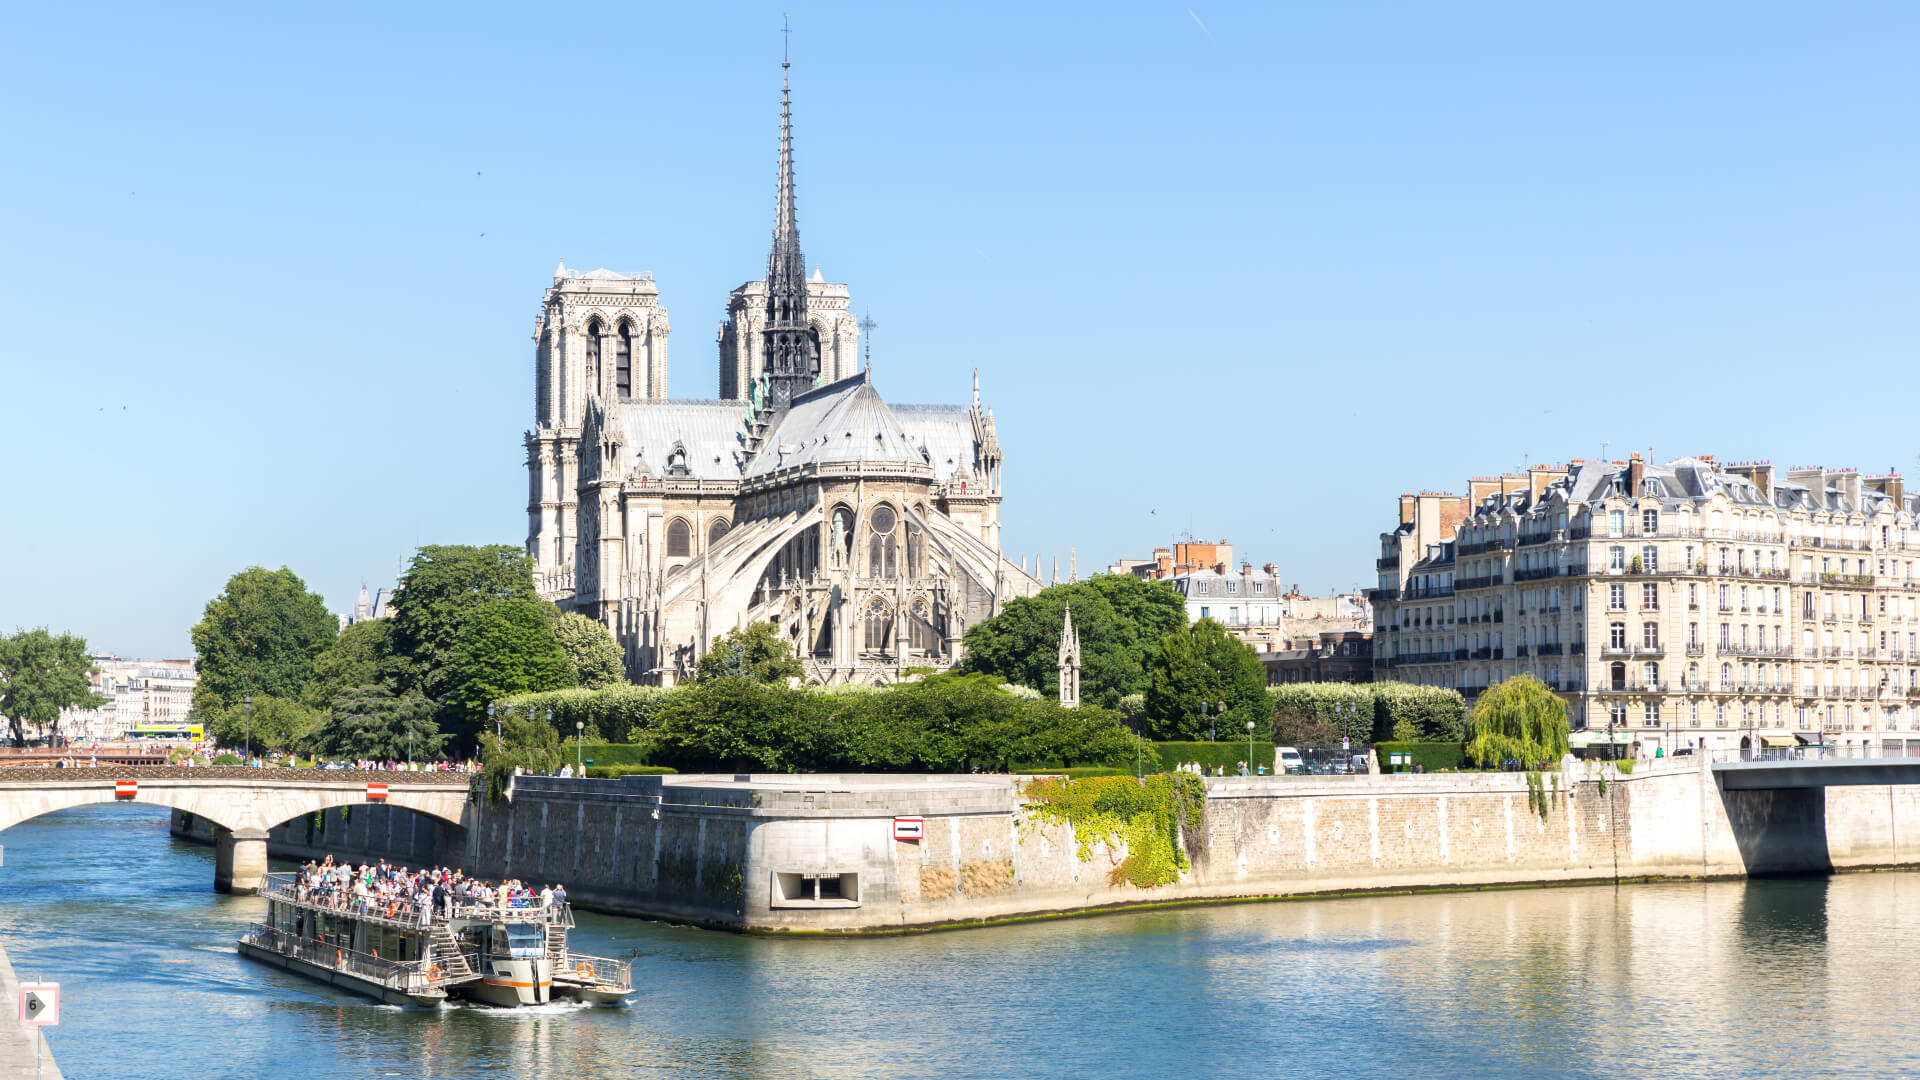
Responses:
[126,789]
[909,828]
[40,1004]
[377,792]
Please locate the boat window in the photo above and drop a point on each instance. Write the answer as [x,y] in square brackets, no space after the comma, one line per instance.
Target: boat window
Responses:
[525,940]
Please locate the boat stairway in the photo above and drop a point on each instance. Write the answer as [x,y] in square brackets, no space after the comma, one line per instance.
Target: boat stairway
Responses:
[449,957]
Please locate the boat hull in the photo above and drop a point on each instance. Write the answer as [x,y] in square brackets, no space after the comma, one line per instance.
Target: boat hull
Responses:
[341,979]
[512,983]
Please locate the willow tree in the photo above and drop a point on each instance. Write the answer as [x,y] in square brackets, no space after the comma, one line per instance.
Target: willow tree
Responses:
[1518,720]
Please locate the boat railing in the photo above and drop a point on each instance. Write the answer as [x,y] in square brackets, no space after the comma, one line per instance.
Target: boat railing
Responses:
[407,976]
[597,970]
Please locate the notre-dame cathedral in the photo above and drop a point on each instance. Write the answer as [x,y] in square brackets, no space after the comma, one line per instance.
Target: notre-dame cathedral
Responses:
[869,533]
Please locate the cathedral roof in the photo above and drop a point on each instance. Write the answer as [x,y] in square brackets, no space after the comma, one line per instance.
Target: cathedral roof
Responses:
[946,431]
[709,432]
[840,423]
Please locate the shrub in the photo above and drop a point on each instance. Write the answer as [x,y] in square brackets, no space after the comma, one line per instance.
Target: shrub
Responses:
[227,759]
[1431,757]
[617,712]
[614,753]
[615,772]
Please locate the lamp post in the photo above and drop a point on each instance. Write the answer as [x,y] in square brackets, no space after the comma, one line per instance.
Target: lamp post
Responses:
[1249,748]
[579,733]
[496,722]
[248,701]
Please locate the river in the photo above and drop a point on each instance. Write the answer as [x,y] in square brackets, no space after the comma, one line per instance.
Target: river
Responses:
[1803,977]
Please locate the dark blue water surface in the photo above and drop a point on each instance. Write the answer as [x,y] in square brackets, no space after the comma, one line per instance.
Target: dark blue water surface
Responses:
[1780,978]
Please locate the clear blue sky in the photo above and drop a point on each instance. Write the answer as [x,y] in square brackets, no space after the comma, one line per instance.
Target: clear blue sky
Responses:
[268,276]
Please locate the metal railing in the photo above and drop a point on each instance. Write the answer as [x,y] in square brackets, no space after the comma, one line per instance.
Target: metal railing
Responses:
[1814,752]
[595,970]
[287,887]
[406,976]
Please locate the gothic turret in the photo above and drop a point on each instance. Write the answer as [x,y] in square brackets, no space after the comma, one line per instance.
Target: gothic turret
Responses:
[792,349]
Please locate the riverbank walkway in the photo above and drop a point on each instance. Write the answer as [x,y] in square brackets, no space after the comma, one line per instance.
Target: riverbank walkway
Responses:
[16,1041]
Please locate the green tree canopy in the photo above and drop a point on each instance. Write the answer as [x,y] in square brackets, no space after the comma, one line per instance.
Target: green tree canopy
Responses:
[1196,667]
[363,655]
[40,674]
[1120,618]
[757,651]
[372,722]
[592,654]
[278,723]
[504,647]
[443,585]
[524,743]
[1518,720]
[260,636]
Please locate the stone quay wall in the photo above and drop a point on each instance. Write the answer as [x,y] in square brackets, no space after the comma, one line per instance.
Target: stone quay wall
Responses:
[749,852]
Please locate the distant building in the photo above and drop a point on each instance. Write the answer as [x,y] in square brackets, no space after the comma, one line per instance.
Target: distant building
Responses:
[1254,605]
[375,605]
[1334,656]
[138,692]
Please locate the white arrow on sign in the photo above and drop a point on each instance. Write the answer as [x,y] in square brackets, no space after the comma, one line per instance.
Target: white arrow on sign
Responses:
[40,1004]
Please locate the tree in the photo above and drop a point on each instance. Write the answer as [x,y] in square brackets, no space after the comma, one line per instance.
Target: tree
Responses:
[363,655]
[442,586]
[277,723]
[374,723]
[757,651]
[41,674]
[1320,714]
[259,636]
[1518,720]
[592,654]
[503,647]
[525,744]
[1121,619]
[1196,667]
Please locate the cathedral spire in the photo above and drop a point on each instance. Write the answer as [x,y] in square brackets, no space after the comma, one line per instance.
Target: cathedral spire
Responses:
[792,349]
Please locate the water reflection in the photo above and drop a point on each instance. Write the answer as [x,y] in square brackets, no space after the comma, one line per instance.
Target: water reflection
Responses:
[1698,979]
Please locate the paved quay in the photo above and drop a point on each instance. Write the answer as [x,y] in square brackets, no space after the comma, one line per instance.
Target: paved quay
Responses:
[16,1042]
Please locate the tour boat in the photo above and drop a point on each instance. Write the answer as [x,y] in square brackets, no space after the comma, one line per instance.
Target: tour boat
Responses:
[392,950]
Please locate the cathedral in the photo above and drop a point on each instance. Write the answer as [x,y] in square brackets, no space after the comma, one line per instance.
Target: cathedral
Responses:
[868,533]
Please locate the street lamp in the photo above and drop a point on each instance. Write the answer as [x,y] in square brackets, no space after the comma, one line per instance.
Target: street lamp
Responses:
[496,722]
[1214,710]
[248,701]
[1249,748]
[579,733]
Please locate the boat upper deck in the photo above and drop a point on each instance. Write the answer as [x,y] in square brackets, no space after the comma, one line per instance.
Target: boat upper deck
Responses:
[408,914]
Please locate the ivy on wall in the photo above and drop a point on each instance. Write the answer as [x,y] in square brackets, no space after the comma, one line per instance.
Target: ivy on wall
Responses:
[1146,815]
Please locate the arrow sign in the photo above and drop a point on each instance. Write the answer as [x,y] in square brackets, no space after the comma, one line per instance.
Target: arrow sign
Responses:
[40,1004]
[909,828]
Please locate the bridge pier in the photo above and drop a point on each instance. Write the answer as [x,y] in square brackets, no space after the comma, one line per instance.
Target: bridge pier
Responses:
[239,860]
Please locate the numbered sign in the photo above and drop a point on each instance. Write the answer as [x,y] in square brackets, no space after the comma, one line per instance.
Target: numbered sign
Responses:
[40,1004]
[909,828]
[376,793]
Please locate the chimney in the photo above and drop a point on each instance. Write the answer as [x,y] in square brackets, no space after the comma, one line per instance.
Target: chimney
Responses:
[1270,570]
[1636,472]
[1246,569]
[1406,509]
[1220,568]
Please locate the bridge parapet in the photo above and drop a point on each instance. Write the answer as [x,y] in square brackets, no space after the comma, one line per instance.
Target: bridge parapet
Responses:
[12,772]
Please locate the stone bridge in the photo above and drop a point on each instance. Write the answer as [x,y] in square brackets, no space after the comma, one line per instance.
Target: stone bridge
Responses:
[241,803]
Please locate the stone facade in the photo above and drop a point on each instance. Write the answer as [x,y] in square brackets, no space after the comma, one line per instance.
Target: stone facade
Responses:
[1691,603]
[869,532]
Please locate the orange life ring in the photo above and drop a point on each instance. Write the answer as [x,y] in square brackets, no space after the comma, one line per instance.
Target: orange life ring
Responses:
[585,970]
[391,908]
[433,974]
[340,957]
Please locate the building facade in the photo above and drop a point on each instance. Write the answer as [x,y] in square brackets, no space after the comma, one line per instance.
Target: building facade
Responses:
[1686,604]
[869,532]
[1332,656]
[150,693]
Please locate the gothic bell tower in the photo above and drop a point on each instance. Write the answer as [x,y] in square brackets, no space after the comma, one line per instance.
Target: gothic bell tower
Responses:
[791,346]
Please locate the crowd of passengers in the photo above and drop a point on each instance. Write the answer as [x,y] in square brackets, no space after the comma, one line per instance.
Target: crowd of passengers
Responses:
[414,895]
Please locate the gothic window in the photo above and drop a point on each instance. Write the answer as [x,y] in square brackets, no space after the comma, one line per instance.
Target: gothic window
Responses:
[879,625]
[623,361]
[925,640]
[883,544]
[593,356]
[679,539]
[715,531]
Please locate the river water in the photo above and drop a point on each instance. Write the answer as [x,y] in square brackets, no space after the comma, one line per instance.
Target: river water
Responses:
[1802,978]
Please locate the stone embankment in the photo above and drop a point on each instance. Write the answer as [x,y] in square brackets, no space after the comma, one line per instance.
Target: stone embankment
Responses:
[833,853]
[17,1041]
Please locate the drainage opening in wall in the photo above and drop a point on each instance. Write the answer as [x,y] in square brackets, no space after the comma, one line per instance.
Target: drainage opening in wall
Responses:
[815,890]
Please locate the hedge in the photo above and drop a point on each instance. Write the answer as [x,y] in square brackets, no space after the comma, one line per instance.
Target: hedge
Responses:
[600,753]
[615,772]
[612,712]
[1320,713]
[1432,757]
[1226,753]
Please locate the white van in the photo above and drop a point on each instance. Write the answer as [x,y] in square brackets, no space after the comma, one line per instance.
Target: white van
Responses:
[1287,761]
